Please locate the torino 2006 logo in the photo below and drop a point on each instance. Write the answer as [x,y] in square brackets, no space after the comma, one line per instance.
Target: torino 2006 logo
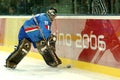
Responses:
[82,41]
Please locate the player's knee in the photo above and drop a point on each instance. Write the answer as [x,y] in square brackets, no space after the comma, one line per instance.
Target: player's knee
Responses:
[24,47]
[41,46]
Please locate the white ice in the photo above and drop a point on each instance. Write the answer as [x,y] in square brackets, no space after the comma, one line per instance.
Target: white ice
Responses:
[35,69]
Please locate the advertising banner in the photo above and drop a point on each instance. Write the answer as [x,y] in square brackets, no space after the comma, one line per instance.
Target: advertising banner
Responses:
[90,40]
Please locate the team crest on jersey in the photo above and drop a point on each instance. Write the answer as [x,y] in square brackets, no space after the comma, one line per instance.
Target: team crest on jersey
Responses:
[46,25]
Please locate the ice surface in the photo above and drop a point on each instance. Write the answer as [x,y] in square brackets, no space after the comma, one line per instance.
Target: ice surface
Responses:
[34,69]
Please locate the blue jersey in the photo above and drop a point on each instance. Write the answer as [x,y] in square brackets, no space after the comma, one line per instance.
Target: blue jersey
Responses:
[30,29]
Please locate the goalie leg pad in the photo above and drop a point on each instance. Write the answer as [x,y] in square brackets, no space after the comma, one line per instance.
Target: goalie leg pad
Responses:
[18,54]
[51,58]
[48,54]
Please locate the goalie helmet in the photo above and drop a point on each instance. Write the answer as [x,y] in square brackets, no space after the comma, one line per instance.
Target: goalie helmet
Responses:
[52,12]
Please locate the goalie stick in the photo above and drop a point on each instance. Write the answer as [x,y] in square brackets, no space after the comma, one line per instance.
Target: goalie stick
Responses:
[39,28]
[51,54]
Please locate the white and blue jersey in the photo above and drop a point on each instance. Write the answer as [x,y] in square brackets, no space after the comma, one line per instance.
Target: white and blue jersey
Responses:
[30,30]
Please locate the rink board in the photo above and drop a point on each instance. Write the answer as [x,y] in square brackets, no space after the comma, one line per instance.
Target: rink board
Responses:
[90,39]
[80,40]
